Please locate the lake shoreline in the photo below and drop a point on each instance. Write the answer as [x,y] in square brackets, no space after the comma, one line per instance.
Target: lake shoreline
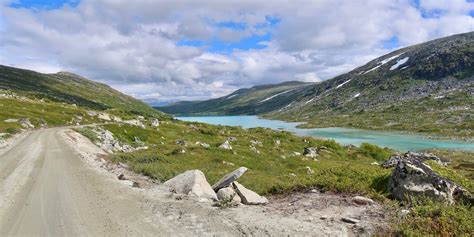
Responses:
[397,140]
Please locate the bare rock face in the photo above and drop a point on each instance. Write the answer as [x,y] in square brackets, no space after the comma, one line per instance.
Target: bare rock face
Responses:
[229,178]
[248,197]
[412,177]
[393,160]
[192,182]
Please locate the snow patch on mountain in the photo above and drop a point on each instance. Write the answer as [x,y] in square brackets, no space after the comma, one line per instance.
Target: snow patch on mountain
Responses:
[399,63]
[273,96]
[338,86]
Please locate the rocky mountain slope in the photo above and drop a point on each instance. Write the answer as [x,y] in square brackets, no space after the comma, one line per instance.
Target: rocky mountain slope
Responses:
[425,88]
[255,100]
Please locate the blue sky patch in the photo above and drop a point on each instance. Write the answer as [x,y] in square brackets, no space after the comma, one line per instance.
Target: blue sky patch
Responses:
[218,46]
[391,43]
[43,4]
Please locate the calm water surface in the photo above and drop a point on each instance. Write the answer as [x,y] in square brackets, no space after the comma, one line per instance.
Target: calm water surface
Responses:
[398,141]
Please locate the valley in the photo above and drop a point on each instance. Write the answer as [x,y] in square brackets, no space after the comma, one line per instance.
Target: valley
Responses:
[96,161]
[410,89]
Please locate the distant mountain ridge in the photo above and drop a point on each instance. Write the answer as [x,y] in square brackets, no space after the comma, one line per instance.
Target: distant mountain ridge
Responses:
[426,87]
[255,100]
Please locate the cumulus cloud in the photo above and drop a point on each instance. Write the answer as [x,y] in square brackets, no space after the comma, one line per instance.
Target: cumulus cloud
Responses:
[170,49]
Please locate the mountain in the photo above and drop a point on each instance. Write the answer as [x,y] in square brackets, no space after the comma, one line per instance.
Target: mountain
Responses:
[57,99]
[69,88]
[255,100]
[422,88]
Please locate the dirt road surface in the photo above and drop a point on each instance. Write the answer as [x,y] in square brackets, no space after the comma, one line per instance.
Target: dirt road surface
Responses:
[52,186]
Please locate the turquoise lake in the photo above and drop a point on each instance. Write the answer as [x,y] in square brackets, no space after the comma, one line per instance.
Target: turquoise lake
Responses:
[398,141]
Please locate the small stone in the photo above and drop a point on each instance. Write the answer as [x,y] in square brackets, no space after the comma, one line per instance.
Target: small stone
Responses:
[122,177]
[350,220]
[309,170]
[362,200]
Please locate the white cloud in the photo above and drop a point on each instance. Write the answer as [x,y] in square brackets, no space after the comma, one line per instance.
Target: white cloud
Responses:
[134,45]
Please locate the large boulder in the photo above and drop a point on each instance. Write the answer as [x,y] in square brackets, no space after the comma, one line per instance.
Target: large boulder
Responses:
[191,182]
[412,177]
[26,123]
[247,196]
[229,178]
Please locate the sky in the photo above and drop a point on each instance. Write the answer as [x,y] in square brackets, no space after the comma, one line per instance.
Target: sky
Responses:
[173,50]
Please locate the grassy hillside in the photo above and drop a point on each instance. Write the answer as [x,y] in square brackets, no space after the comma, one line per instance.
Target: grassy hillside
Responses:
[55,99]
[69,88]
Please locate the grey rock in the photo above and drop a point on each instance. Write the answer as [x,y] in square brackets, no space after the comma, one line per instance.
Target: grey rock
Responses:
[228,194]
[411,177]
[232,139]
[205,145]
[362,200]
[311,151]
[226,145]
[26,123]
[229,178]
[181,142]
[349,220]
[155,123]
[247,196]
[191,182]
[255,142]
[395,159]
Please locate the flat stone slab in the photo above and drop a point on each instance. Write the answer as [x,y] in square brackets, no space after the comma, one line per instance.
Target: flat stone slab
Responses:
[229,178]
[249,197]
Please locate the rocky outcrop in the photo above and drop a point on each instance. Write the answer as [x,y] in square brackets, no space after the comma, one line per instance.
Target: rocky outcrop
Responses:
[229,178]
[411,177]
[247,196]
[395,159]
[191,182]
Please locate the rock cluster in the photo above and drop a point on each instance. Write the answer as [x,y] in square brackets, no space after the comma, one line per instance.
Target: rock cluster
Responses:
[26,123]
[411,177]
[227,189]
[107,141]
